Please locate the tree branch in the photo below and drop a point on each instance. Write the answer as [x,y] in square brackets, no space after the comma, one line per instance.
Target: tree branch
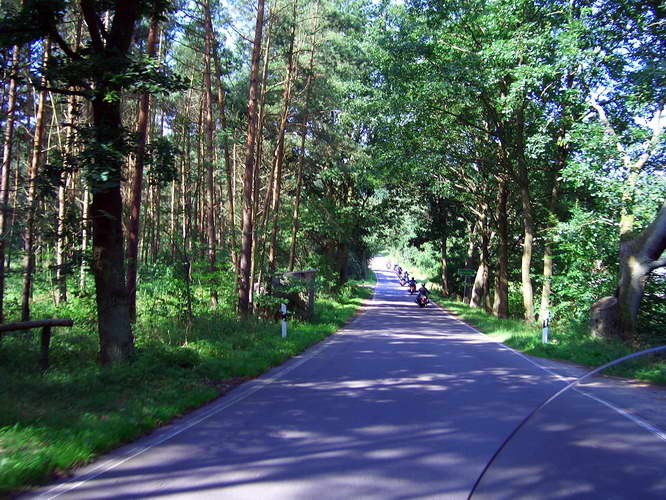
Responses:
[603,118]
[92,21]
[656,134]
[656,264]
[55,36]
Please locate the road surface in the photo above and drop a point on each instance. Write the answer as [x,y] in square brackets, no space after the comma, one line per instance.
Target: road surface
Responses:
[402,403]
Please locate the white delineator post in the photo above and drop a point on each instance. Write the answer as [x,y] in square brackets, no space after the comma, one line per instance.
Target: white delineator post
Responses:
[544,335]
[283,314]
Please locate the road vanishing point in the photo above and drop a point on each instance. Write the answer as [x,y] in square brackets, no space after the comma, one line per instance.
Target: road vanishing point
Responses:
[402,403]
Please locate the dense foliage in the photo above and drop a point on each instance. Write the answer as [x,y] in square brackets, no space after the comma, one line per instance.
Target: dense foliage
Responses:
[166,162]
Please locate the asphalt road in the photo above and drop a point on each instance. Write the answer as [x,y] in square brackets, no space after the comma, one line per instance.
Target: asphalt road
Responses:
[402,403]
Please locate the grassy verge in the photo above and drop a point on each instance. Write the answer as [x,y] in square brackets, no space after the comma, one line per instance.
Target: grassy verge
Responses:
[564,343]
[78,409]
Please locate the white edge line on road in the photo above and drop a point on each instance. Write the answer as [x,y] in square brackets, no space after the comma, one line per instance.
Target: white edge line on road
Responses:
[628,415]
[221,404]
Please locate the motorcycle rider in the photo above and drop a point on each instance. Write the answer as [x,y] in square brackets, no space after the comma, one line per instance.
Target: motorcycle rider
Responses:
[412,285]
[423,292]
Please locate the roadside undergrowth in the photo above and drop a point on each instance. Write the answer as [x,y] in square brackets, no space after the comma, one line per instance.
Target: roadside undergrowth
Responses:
[567,342]
[78,409]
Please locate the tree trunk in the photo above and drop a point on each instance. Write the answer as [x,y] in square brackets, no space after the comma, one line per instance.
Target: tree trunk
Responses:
[227,158]
[546,290]
[35,160]
[61,275]
[259,218]
[279,153]
[136,186]
[638,258]
[563,149]
[210,144]
[341,262]
[501,302]
[85,232]
[470,260]
[301,155]
[528,242]
[6,172]
[115,332]
[248,175]
[480,287]
[65,179]
[639,254]
[444,273]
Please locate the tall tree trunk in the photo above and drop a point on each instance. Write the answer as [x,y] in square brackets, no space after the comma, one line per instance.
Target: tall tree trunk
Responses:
[341,262]
[279,152]
[472,255]
[563,149]
[501,301]
[136,186]
[248,175]
[115,332]
[297,197]
[61,275]
[227,158]
[258,218]
[528,244]
[546,290]
[480,287]
[639,256]
[116,341]
[85,236]
[61,243]
[35,160]
[6,172]
[444,272]
[210,144]
[301,155]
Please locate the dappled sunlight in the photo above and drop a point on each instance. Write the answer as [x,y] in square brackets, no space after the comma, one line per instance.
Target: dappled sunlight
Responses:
[403,403]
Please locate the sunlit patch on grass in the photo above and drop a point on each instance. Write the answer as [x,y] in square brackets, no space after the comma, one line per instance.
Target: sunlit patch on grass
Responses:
[77,409]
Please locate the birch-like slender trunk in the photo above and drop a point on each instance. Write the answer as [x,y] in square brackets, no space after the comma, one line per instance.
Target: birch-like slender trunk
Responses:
[279,152]
[258,217]
[501,300]
[6,172]
[248,175]
[136,185]
[31,206]
[301,154]
[209,142]
[85,237]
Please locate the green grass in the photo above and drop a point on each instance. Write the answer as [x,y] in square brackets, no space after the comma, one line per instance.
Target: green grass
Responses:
[565,343]
[76,410]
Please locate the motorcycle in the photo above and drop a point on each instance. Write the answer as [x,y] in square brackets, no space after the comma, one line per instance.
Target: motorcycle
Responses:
[403,281]
[422,300]
[412,288]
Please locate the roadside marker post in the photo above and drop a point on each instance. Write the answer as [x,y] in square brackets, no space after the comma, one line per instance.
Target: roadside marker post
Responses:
[546,323]
[283,315]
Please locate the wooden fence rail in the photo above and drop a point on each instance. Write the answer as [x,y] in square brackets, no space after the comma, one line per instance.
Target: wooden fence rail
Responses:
[45,325]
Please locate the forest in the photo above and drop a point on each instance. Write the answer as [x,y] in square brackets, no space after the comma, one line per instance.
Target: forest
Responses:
[165,162]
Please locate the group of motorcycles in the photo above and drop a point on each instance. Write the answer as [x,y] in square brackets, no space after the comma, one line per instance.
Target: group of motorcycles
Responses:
[422,297]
